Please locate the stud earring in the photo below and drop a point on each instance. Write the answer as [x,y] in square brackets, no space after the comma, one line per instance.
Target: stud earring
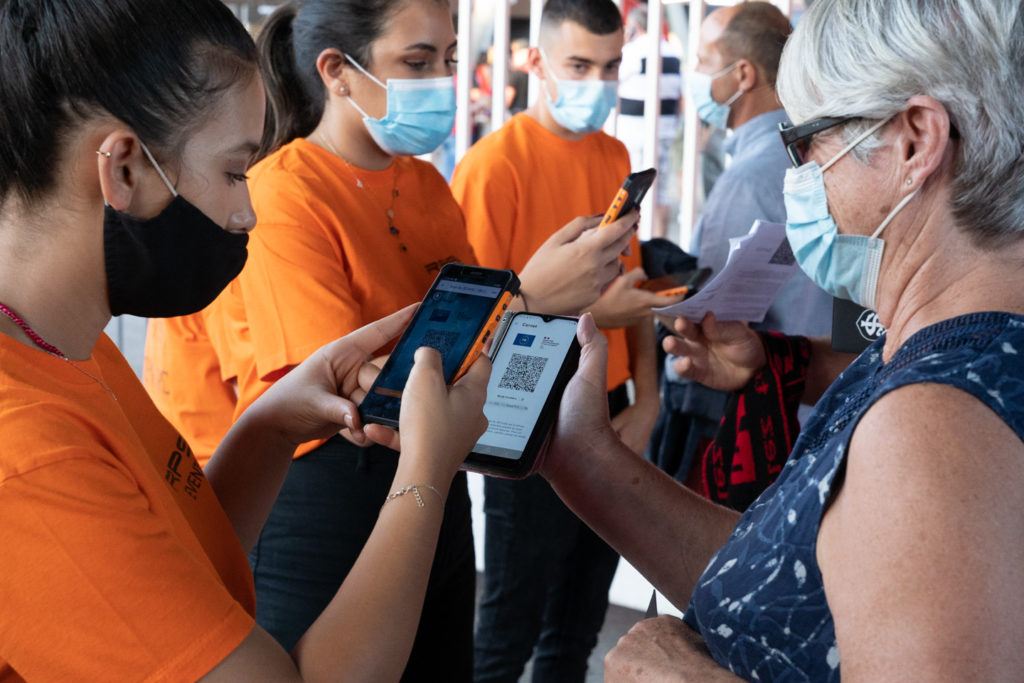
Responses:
[910,181]
[103,154]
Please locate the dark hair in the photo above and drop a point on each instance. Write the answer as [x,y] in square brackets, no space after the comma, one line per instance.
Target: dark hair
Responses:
[599,17]
[156,65]
[289,45]
[757,31]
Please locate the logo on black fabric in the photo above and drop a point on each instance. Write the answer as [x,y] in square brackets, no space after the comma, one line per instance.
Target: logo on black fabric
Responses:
[869,326]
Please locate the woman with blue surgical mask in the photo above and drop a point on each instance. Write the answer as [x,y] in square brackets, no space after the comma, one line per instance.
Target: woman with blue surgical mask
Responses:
[354,227]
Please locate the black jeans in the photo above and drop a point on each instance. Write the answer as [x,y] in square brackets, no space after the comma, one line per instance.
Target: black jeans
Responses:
[546,580]
[316,530]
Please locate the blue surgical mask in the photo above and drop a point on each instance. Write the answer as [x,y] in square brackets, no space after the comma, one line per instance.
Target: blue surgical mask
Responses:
[845,266]
[582,106]
[698,85]
[420,114]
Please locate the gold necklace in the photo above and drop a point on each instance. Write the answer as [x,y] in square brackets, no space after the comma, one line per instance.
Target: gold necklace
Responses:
[389,212]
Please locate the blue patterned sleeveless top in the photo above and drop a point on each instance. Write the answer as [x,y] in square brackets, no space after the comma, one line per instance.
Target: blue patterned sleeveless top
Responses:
[760,604]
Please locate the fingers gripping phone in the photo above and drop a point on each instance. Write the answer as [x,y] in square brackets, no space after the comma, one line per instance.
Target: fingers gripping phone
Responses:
[632,192]
[687,282]
[458,315]
[533,359]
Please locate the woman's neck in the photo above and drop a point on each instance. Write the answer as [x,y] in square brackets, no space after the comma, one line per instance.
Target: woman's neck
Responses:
[947,277]
[347,137]
[54,282]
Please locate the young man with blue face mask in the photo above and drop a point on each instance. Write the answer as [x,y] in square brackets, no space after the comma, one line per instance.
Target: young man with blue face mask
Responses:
[733,86]
[546,574]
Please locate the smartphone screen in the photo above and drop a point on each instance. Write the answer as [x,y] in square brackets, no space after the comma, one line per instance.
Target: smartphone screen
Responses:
[535,359]
[451,318]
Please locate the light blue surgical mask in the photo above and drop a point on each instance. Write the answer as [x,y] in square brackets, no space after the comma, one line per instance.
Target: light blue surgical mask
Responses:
[582,106]
[698,85]
[845,266]
[420,114]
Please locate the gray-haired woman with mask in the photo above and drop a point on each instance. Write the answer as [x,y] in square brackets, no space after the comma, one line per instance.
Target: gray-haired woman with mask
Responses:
[892,545]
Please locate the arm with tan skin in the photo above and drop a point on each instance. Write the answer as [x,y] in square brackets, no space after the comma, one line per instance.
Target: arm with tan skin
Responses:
[367,630]
[922,550]
[665,530]
[624,304]
[636,422]
[663,650]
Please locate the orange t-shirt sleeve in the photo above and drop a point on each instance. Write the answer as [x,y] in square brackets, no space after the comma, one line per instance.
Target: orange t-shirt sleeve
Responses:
[297,292]
[487,192]
[82,546]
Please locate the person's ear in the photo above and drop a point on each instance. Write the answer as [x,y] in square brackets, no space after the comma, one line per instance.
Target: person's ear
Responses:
[534,63]
[333,68]
[923,140]
[746,75]
[121,163]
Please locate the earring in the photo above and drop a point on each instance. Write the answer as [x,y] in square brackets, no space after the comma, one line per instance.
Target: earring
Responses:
[103,154]
[910,181]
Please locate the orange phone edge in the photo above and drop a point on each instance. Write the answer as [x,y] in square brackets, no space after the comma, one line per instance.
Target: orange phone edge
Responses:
[492,324]
[612,214]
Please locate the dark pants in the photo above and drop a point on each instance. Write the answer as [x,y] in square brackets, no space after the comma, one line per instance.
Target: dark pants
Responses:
[546,580]
[316,530]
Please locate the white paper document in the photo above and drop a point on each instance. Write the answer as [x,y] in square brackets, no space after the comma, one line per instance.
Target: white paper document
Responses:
[759,263]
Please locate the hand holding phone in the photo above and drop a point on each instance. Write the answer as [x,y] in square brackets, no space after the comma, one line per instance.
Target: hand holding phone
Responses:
[687,282]
[533,359]
[629,196]
[458,315]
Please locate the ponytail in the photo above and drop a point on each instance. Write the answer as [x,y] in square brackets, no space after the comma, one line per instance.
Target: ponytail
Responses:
[293,107]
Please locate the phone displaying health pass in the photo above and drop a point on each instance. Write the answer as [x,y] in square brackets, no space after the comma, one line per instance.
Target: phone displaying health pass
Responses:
[629,196]
[458,315]
[534,358]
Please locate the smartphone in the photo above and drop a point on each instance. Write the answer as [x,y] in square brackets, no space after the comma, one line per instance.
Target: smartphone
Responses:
[534,358]
[632,192]
[458,315]
[687,282]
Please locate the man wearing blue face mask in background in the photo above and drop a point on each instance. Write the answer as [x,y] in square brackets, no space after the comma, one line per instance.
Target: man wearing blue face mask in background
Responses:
[546,575]
[733,87]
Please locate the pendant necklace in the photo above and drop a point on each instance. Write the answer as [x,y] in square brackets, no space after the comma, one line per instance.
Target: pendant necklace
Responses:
[390,211]
[50,348]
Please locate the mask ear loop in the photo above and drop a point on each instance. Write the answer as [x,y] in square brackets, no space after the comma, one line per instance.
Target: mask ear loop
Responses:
[859,139]
[896,210]
[368,75]
[159,170]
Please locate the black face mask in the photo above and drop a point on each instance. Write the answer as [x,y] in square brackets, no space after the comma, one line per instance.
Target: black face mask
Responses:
[175,263]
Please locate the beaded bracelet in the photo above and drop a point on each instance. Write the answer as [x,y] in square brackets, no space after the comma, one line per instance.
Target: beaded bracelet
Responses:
[415,489]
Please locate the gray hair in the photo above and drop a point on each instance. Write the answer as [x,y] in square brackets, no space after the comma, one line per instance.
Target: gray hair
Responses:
[867,58]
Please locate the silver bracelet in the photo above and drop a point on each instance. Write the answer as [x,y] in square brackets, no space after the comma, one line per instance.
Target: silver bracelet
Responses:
[415,489]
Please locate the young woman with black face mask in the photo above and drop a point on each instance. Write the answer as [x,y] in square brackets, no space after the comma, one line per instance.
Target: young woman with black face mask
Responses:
[353,227]
[123,153]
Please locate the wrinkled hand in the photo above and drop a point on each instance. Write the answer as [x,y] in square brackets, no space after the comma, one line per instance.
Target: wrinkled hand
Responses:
[660,650]
[624,304]
[318,397]
[571,269]
[718,355]
[438,422]
[583,424]
[635,424]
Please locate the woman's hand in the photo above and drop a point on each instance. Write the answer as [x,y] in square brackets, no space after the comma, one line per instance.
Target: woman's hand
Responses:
[718,355]
[318,397]
[662,650]
[441,424]
[576,264]
[624,304]
[583,422]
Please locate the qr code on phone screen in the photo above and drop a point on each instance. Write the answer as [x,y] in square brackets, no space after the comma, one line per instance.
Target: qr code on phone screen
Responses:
[442,340]
[522,372]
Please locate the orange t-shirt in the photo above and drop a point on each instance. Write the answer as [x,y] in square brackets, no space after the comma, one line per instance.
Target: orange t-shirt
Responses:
[184,375]
[323,260]
[117,561]
[520,184]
